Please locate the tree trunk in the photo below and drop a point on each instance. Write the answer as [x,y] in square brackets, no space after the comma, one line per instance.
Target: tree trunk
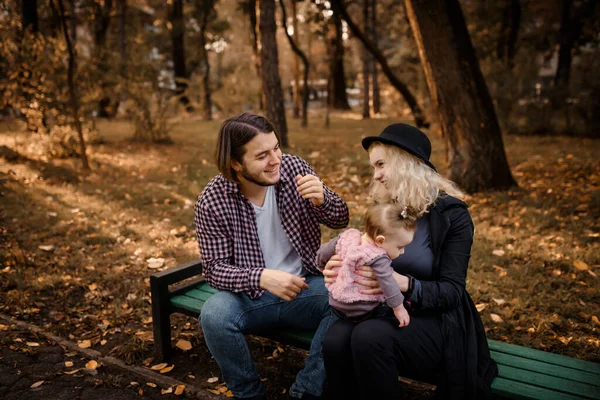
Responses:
[475,150]
[570,30]
[122,47]
[178,53]
[339,8]
[338,98]
[509,32]
[29,15]
[366,61]
[375,94]
[207,7]
[296,91]
[299,54]
[252,13]
[102,17]
[269,61]
[72,66]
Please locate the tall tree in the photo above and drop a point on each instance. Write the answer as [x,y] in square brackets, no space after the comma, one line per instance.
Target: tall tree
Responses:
[178,53]
[29,15]
[573,17]
[269,61]
[366,61]
[249,7]
[204,9]
[475,149]
[71,70]
[102,13]
[375,93]
[300,54]
[338,97]
[509,32]
[339,7]
[296,91]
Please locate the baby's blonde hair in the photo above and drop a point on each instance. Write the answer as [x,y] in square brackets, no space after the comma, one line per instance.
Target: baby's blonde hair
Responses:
[385,219]
[411,181]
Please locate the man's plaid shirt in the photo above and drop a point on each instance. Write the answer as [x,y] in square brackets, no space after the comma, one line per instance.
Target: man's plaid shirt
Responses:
[227,234]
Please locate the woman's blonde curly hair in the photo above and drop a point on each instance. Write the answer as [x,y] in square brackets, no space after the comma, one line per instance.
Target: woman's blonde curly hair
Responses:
[414,183]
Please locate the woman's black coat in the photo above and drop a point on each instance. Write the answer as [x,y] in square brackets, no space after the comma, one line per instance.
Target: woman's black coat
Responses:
[469,369]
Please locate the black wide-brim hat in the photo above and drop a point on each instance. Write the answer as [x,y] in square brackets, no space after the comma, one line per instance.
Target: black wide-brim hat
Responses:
[407,137]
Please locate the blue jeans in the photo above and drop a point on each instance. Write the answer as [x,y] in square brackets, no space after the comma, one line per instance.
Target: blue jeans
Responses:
[226,316]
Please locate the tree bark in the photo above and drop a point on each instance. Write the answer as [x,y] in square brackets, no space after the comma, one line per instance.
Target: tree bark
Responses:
[339,8]
[338,97]
[570,30]
[178,53]
[269,61]
[102,18]
[511,22]
[375,94]
[299,54]
[207,7]
[29,15]
[252,13]
[475,150]
[366,63]
[72,67]
[122,46]
[296,91]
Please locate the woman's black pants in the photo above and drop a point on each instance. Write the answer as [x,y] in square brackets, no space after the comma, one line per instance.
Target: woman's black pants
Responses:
[364,360]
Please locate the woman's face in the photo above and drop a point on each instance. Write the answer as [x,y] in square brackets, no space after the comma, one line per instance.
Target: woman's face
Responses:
[377,161]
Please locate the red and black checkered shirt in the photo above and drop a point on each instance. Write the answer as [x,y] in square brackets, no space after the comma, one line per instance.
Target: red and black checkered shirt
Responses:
[228,237]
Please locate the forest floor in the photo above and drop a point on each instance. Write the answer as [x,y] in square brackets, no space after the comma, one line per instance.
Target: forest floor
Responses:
[77,249]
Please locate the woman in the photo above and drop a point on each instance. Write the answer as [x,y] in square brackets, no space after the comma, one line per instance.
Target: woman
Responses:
[445,342]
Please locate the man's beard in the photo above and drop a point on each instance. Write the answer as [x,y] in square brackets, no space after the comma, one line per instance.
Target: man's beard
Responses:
[250,178]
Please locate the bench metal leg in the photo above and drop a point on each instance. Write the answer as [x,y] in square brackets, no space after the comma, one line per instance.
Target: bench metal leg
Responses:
[161,318]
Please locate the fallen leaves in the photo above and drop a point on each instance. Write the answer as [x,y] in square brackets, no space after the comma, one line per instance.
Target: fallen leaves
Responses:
[154,263]
[581,265]
[68,364]
[212,380]
[92,365]
[37,384]
[84,344]
[46,247]
[183,345]
[179,389]
[498,253]
[167,369]
[595,320]
[496,318]
[480,307]
[158,367]
[32,344]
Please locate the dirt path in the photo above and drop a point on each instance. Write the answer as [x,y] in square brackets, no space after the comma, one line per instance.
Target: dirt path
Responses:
[32,366]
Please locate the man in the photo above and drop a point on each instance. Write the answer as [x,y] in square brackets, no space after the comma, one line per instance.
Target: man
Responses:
[258,230]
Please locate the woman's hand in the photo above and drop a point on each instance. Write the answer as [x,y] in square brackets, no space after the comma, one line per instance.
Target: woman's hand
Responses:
[330,272]
[372,284]
[368,280]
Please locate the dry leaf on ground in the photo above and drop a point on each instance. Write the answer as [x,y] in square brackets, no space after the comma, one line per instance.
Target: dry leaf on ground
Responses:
[151,384]
[158,367]
[480,307]
[37,384]
[167,369]
[91,364]
[183,345]
[32,344]
[68,364]
[46,247]
[498,253]
[166,391]
[581,265]
[154,263]
[595,320]
[212,380]
[179,389]
[496,318]
[84,344]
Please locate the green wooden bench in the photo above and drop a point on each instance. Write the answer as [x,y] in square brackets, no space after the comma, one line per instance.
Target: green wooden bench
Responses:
[524,373]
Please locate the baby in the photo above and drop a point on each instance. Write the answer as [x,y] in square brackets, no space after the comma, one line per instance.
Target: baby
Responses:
[388,229]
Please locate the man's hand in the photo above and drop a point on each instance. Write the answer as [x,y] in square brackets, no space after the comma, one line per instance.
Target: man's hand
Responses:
[311,187]
[282,284]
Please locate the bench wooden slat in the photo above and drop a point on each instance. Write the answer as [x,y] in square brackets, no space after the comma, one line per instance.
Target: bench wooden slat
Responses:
[522,391]
[544,356]
[547,369]
[550,382]
[523,373]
